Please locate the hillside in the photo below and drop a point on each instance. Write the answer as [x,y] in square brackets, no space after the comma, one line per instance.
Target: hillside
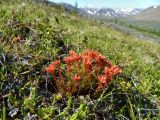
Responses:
[33,35]
[150,14]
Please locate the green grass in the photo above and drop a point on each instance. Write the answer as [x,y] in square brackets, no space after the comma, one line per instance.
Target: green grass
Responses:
[145,30]
[146,24]
[46,33]
[150,27]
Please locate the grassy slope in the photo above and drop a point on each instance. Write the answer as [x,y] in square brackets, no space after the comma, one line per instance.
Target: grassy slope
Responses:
[42,29]
[149,14]
[148,27]
[147,30]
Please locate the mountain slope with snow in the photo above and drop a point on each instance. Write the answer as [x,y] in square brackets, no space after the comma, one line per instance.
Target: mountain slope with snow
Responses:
[112,12]
[150,14]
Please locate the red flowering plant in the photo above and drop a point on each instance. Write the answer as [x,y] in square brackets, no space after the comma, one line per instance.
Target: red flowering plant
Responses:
[82,73]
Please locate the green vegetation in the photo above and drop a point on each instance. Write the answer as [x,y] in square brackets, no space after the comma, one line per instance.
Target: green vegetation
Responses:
[152,28]
[32,35]
[145,30]
[153,25]
[149,31]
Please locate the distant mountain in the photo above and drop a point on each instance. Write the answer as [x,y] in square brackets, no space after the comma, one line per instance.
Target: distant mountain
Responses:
[150,14]
[128,11]
[112,12]
[102,11]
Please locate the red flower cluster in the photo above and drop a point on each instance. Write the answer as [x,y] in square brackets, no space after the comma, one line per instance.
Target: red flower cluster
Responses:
[84,70]
[110,72]
[51,68]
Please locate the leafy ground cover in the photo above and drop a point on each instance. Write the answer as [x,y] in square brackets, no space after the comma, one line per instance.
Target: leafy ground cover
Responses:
[33,35]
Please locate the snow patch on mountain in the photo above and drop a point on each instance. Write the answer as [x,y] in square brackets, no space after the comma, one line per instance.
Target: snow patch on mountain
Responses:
[156,6]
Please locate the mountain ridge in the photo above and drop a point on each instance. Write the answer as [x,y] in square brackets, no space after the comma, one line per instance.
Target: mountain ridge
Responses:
[151,13]
[114,12]
[110,12]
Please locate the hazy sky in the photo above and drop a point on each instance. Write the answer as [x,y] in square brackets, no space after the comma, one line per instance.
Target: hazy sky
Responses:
[112,3]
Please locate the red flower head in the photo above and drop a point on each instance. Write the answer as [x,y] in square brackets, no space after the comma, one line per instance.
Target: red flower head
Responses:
[71,59]
[92,54]
[71,52]
[76,58]
[102,79]
[110,72]
[87,60]
[76,78]
[51,68]
[115,70]
[56,63]
[68,60]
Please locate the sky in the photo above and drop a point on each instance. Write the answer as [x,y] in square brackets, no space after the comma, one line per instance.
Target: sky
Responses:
[112,3]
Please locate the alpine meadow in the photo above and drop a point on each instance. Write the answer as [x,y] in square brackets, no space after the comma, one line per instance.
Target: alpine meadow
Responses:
[57,63]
